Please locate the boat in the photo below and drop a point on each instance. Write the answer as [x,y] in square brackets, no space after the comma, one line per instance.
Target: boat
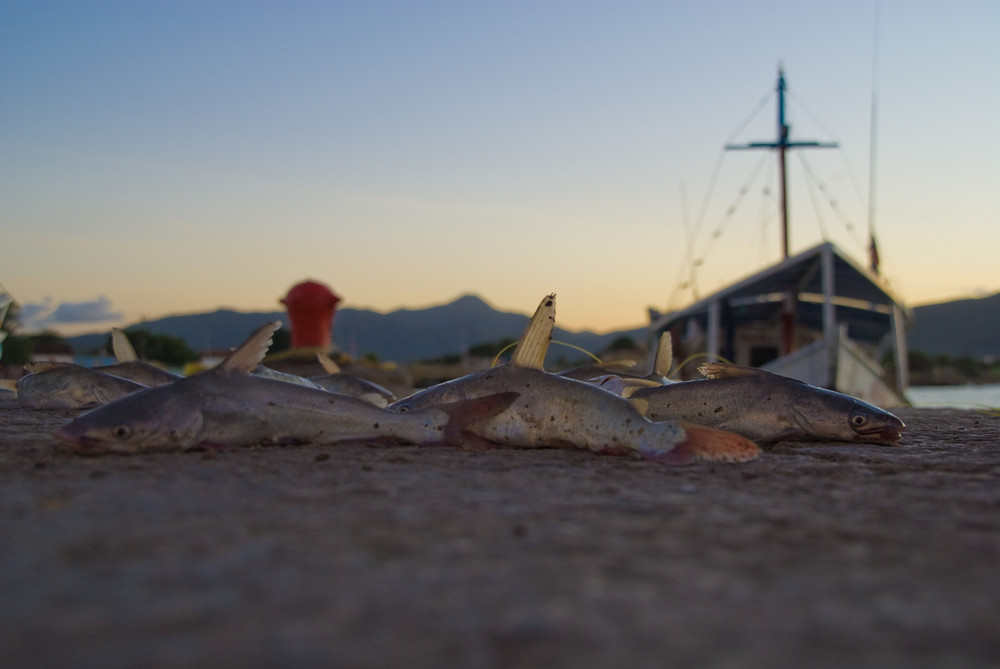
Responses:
[817,316]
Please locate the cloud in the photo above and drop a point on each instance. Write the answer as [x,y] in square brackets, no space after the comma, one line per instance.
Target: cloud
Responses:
[36,316]
[32,312]
[97,311]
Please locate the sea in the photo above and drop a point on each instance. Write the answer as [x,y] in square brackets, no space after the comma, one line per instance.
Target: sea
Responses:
[983,396]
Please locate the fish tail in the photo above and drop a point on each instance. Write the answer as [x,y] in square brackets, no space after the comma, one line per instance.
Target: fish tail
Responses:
[708,444]
[463,413]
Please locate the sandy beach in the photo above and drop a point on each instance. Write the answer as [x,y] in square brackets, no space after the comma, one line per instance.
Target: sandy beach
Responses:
[816,555]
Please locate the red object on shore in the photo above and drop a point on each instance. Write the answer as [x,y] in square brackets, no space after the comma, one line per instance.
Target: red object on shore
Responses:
[311,306]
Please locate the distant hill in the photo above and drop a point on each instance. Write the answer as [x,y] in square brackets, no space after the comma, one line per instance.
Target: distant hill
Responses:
[405,335]
[958,328]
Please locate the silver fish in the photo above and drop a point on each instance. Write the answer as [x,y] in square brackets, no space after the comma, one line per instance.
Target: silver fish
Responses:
[130,367]
[268,373]
[767,407]
[227,406]
[68,386]
[554,411]
[140,372]
[355,386]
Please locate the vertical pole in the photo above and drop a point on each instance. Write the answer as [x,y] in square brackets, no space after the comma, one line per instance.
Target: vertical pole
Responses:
[830,333]
[712,336]
[782,146]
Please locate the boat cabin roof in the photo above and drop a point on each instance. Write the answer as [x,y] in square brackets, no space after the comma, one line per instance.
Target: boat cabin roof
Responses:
[860,298]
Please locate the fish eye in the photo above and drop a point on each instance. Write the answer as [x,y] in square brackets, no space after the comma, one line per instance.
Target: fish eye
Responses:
[121,432]
[403,409]
[859,420]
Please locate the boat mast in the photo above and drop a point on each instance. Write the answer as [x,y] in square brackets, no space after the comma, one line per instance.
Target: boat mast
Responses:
[782,145]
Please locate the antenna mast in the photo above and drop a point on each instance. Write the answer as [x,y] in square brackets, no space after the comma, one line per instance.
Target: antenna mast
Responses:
[782,145]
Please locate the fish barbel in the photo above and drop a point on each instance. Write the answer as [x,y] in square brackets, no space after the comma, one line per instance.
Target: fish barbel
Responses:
[768,407]
[227,406]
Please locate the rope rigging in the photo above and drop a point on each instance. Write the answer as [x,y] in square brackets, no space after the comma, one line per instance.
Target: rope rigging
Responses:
[817,190]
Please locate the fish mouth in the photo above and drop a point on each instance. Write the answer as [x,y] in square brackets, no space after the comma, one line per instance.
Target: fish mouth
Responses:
[887,434]
[80,443]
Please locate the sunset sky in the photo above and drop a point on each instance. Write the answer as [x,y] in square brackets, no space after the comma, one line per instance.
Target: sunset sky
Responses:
[174,157]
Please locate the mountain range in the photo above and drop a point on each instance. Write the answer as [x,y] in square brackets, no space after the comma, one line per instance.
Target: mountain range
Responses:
[969,327]
[957,328]
[404,335]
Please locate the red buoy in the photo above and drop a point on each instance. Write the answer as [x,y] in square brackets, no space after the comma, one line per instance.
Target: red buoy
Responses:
[311,306]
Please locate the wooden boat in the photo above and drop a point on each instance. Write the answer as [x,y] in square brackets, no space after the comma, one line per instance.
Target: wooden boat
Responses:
[817,316]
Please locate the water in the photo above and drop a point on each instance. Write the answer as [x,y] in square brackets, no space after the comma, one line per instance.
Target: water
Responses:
[957,397]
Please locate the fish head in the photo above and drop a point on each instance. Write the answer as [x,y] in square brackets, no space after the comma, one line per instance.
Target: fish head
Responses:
[828,415]
[147,421]
[873,425]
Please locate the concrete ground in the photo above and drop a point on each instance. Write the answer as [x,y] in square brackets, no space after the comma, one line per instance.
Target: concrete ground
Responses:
[816,555]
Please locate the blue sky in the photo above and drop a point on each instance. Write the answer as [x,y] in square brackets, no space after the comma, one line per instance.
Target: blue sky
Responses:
[171,157]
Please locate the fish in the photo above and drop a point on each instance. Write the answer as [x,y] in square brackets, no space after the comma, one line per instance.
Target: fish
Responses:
[228,406]
[268,373]
[552,411]
[767,407]
[337,381]
[625,384]
[128,365]
[69,386]
[616,376]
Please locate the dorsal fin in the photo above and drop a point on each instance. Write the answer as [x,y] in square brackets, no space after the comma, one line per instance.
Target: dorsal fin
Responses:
[329,366]
[250,353]
[534,342]
[664,355]
[720,370]
[122,347]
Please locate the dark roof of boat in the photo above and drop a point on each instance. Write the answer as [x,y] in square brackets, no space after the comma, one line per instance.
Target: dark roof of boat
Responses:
[862,299]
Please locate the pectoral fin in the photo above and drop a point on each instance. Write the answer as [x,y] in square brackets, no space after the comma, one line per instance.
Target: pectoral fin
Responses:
[707,444]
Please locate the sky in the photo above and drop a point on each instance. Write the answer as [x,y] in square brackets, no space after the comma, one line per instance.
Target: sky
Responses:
[173,157]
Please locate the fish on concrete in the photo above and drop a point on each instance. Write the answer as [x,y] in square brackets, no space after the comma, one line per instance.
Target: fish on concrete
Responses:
[619,378]
[268,373]
[228,406]
[70,386]
[338,381]
[556,411]
[768,407]
[624,384]
[128,365]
